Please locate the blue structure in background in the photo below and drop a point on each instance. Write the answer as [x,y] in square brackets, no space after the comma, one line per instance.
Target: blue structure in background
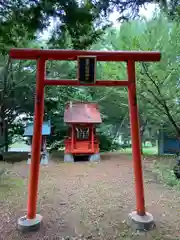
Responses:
[167,144]
[46,131]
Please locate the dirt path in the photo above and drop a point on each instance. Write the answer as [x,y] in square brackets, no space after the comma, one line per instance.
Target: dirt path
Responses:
[89,201]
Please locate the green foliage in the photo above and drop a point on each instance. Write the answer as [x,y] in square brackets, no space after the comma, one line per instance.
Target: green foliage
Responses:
[2,172]
[106,143]
[17,84]
[80,25]
[83,21]
[174,10]
[164,171]
[21,20]
[156,82]
[76,22]
[157,89]
[107,6]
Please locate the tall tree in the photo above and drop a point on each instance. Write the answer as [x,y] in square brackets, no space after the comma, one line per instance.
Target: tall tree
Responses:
[84,21]
[157,84]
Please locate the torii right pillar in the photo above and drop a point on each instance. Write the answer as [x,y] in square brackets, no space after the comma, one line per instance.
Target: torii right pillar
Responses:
[139,219]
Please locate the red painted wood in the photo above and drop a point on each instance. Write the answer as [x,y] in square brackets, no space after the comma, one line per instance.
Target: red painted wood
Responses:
[36,143]
[72,137]
[81,147]
[22,53]
[86,113]
[92,137]
[128,56]
[75,146]
[140,203]
[99,83]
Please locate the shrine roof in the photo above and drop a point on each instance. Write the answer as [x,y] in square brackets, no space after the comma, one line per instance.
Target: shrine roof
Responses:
[82,113]
[46,129]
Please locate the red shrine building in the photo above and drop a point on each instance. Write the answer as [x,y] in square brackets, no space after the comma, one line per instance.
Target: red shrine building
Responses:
[82,119]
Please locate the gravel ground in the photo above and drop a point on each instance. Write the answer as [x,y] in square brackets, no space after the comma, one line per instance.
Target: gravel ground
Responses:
[85,200]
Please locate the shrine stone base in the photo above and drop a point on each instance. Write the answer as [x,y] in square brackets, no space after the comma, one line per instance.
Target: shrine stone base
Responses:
[68,158]
[44,158]
[95,157]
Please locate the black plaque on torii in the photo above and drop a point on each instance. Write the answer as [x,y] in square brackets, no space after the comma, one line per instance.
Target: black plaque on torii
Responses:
[86,69]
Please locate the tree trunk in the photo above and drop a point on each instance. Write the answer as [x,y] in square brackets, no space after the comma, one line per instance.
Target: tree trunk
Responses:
[160,99]
[141,146]
[153,142]
[6,137]
[2,126]
[142,130]
[171,119]
[3,104]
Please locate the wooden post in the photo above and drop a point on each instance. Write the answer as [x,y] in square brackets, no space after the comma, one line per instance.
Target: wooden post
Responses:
[72,137]
[36,144]
[42,144]
[92,137]
[136,153]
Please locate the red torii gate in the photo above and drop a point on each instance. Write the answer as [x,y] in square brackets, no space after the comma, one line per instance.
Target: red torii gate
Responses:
[140,218]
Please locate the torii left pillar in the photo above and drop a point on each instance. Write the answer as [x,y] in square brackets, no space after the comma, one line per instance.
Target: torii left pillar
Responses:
[32,221]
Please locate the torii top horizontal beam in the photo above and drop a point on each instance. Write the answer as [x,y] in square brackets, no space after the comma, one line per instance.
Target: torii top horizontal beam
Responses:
[117,56]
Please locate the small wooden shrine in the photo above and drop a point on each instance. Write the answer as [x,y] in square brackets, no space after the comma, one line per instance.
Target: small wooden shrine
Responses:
[46,131]
[82,119]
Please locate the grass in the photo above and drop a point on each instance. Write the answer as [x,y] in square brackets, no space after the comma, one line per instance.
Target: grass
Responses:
[150,150]
[9,184]
[125,234]
[163,167]
[146,150]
